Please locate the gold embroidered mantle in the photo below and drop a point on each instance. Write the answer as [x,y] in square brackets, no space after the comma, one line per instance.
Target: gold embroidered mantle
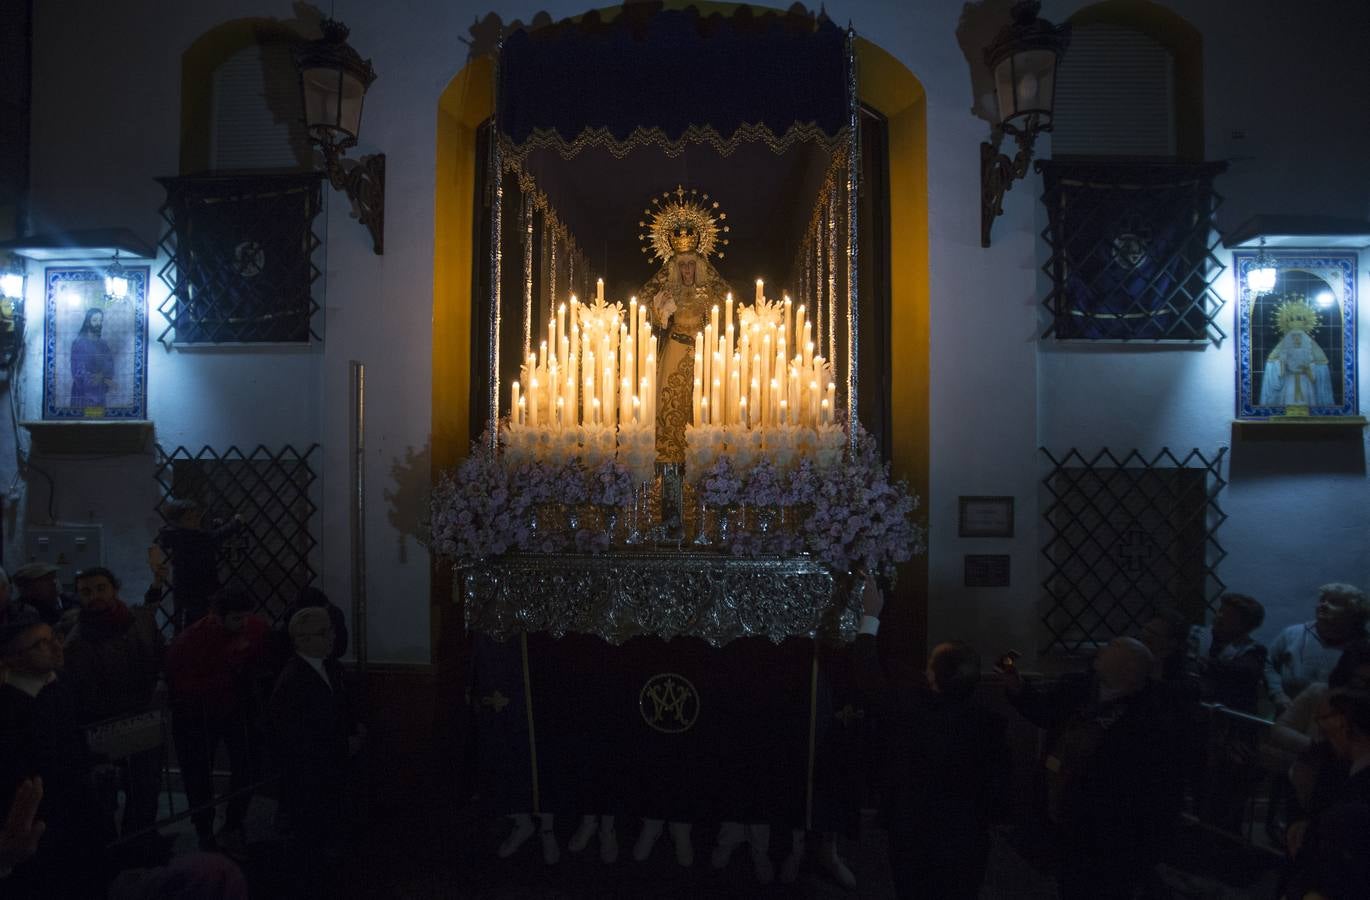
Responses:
[620,596]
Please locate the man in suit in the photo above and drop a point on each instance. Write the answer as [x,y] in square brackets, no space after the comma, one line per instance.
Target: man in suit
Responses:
[1333,861]
[944,764]
[315,734]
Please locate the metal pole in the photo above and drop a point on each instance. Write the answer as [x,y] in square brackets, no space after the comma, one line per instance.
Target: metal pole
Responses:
[528,276]
[853,161]
[358,515]
[496,174]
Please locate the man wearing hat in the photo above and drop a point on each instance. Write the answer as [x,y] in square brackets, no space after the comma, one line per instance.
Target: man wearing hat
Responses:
[37,584]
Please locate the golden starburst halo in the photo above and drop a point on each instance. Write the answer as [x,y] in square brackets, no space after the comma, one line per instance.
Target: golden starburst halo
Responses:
[1295,314]
[682,221]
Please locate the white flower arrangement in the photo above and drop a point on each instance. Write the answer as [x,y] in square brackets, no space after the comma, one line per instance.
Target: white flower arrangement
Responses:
[828,443]
[637,450]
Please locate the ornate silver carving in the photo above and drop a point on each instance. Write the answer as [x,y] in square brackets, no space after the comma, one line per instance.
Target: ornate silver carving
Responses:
[663,594]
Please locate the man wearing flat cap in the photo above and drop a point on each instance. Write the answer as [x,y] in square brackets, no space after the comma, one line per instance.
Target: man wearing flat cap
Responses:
[37,584]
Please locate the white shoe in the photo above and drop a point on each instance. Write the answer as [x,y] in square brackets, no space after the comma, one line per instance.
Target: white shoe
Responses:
[684,849]
[646,839]
[523,830]
[730,834]
[584,832]
[608,844]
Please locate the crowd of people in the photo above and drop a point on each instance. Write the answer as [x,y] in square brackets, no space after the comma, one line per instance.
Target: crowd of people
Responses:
[90,687]
[1127,746]
[1130,744]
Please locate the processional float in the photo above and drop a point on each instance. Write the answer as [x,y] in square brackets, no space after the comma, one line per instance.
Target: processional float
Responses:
[672,463]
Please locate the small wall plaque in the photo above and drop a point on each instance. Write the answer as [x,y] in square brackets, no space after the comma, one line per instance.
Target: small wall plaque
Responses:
[986,517]
[987,570]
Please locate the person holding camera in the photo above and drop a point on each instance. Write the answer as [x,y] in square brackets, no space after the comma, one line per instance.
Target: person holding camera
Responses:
[944,763]
[1110,767]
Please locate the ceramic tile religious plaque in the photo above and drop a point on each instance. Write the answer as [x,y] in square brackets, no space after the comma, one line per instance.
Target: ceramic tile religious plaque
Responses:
[94,346]
[1296,344]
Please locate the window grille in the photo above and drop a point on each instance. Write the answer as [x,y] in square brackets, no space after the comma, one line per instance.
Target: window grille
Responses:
[1132,250]
[241,266]
[1127,534]
[270,490]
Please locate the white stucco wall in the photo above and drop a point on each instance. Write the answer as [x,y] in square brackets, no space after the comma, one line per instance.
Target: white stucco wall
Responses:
[997,393]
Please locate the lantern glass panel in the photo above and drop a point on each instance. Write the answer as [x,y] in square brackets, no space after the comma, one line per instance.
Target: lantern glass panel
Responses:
[1025,82]
[320,88]
[350,107]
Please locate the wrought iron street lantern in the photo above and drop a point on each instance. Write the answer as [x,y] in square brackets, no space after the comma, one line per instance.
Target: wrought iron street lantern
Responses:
[333,82]
[1023,57]
[1261,277]
[116,282]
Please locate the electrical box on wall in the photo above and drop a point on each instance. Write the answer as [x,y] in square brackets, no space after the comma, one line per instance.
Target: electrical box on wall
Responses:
[70,548]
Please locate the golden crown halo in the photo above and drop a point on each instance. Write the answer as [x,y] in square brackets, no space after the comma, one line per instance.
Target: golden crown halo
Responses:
[1295,314]
[682,221]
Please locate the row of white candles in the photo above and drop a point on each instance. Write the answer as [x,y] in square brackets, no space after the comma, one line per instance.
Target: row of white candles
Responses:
[602,372]
[748,379]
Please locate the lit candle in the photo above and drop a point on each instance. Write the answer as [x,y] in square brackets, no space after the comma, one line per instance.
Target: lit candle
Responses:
[561,412]
[596,408]
[533,403]
[746,360]
[734,396]
[754,396]
[799,323]
[517,417]
[831,401]
[599,290]
[796,401]
[587,409]
[522,411]
[646,399]
[742,413]
[632,336]
[773,403]
[713,320]
[704,409]
[570,395]
[717,411]
[785,336]
[637,409]
[728,318]
[784,412]
[760,290]
[609,409]
[696,405]
[827,413]
[561,333]
[626,399]
[708,348]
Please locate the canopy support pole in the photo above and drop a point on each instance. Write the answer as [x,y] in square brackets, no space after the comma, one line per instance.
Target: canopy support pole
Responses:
[853,161]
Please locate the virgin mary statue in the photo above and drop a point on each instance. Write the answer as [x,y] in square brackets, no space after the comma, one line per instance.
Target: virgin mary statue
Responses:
[684,230]
[1296,371]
